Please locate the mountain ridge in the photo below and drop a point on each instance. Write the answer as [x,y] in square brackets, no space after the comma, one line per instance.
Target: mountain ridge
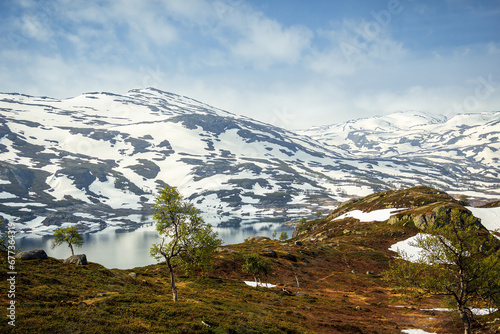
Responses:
[99,158]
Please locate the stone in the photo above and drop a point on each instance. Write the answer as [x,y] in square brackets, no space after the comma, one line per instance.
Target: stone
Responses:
[80,259]
[256,238]
[269,252]
[36,254]
[133,275]
[223,249]
[298,243]
[291,257]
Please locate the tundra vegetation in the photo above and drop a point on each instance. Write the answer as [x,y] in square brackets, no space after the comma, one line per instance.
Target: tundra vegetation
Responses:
[341,286]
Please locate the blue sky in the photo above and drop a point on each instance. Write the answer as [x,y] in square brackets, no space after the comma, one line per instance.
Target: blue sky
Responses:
[291,63]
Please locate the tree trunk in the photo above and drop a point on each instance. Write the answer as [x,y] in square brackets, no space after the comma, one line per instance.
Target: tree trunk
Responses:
[465,318]
[71,246]
[172,280]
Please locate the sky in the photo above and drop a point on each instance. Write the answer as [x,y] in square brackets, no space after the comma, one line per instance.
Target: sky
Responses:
[291,63]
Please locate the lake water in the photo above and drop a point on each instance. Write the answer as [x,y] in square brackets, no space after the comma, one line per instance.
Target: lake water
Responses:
[115,248]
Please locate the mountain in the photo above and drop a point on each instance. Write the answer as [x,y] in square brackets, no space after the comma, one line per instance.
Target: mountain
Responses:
[98,159]
[470,139]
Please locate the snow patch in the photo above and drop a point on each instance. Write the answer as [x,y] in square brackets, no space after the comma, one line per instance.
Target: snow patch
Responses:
[377,215]
[415,331]
[255,284]
[490,217]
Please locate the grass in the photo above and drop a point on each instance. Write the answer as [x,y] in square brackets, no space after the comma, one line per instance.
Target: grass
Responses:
[53,297]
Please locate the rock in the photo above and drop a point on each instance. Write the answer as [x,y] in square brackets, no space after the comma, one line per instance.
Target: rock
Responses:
[370,273]
[353,271]
[346,231]
[305,260]
[298,243]
[80,259]
[222,249]
[269,252]
[290,257]
[256,238]
[36,254]
[133,275]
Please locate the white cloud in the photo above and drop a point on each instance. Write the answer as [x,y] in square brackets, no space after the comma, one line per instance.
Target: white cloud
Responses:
[266,42]
[228,54]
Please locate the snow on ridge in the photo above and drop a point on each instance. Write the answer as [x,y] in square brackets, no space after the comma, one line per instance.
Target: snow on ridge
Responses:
[376,215]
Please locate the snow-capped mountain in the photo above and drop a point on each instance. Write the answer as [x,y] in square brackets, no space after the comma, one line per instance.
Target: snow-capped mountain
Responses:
[468,137]
[99,159]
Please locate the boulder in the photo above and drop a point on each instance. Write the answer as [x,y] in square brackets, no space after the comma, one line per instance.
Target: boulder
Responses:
[38,254]
[290,257]
[80,259]
[256,238]
[298,243]
[223,249]
[269,252]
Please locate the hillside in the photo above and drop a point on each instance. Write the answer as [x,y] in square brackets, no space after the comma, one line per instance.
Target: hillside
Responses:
[338,261]
[98,159]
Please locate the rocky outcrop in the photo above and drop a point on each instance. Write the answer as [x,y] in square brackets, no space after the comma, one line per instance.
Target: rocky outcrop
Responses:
[80,259]
[36,254]
[426,216]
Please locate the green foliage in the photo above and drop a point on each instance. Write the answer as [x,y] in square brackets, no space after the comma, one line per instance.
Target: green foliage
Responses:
[283,236]
[186,240]
[303,220]
[275,233]
[70,235]
[459,259]
[259,268]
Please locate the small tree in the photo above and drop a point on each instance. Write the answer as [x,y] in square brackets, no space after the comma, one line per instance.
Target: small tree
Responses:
[257,267]
[275,233]
[283,236]
[459,259]
[70,235]
[186,240]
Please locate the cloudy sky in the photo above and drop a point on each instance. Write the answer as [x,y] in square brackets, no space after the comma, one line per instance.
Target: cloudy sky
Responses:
[292,63]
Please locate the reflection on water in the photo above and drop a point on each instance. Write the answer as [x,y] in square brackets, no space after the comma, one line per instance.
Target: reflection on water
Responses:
[114,248]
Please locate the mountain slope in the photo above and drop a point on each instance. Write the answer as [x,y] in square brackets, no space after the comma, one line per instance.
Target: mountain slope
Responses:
[99,159]
[328,279]
[472,139]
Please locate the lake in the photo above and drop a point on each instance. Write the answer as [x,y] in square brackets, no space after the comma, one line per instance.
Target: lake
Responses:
[115,248]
